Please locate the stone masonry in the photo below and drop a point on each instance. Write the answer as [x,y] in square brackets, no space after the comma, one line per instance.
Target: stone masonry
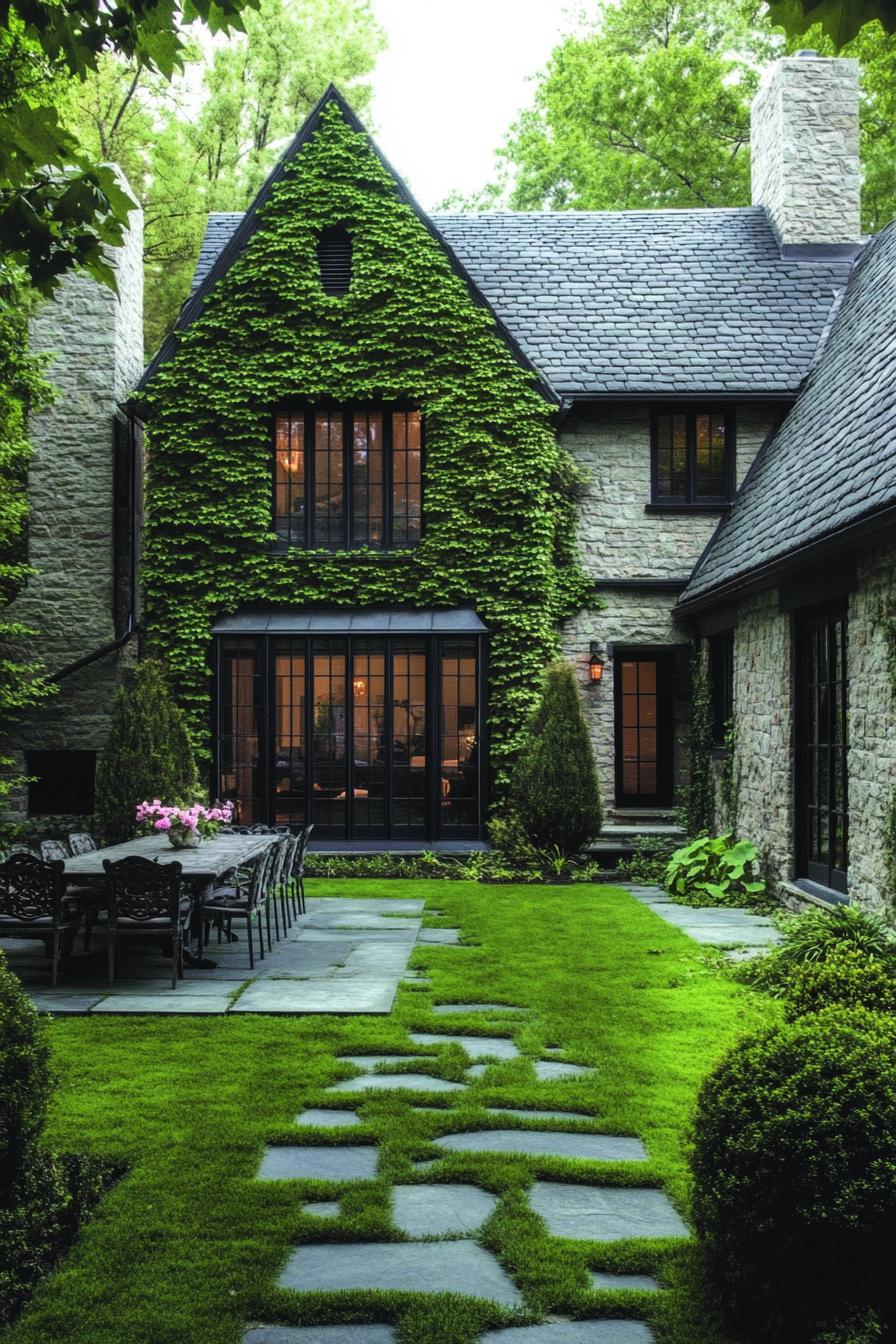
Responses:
[620,540]
[804,145]
[96,345]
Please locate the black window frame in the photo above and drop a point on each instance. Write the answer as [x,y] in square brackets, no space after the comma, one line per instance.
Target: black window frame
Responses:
[721,684]
[822,619]
[690,499]
[306,540]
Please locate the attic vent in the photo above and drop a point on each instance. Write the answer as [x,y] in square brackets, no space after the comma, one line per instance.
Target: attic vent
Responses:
[334,257]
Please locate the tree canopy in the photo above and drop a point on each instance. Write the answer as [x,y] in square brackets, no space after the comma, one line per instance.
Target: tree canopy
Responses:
[839,20]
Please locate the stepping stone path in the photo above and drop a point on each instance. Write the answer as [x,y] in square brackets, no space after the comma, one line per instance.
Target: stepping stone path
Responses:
[410,1082]
[371,1062]
[444,1009]
[544,1143]
[604,1213]
[440,937]
[539,1115]
[328,1119]
[320,1334]
[477,1047]
[549,1069]
[440,1210]
[642,1283]
[477,1070]
[322,1208]
[715,926]
[411,1267]
[316,1163]
[573,1332]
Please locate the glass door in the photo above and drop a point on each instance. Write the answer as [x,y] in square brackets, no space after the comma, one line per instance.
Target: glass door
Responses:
[643,691]
[822,695]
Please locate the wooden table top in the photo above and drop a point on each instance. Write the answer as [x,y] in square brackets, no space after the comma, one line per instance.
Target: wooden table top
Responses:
[211,858]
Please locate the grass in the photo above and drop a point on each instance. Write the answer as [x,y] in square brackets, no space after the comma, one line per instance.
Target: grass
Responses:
[188,1245]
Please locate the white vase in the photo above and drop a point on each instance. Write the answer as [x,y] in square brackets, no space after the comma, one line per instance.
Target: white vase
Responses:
[181,840]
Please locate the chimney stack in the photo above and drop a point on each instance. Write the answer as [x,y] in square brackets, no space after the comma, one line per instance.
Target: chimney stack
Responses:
[804,144]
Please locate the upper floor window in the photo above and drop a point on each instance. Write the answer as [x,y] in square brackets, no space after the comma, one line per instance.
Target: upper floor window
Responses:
[346,478]
[692,452]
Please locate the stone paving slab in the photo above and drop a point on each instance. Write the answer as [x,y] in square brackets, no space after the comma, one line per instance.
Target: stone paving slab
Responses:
[477,1070]
[440,937]
[540,1115]
[320,1334]
[410,1082]
[477,1047]
[440,1210]
[445,1009]
[348,1162]
[318,996]
[370,1062]
[641,1283]
[65,1003]
[604,1213]
[330,1119]
[375,905]
[421,1267]
[545,1143]
[322,1208]
[573,1332]
[179,1002]
[549,1069]
[715,926]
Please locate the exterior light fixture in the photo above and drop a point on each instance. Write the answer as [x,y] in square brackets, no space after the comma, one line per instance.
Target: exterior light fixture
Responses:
[595,665]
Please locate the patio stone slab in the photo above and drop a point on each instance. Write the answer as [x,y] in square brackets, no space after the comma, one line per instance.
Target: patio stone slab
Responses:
[370,1062]
[322,1208]
[445,1009]
[422,1267]
[440,937]
[410,1082]
[546,1143]
[354,1162]
[154,1003]
[539,1115]
[477,1047]
[642,1283]
[318,996]
[439,1210]
[549,1069]
[604,1213]
[477,1070]
[320,1334]
[573,1332]
[329,1119]
[65,1003]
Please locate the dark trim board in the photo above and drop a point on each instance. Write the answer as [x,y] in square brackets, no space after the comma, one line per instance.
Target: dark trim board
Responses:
[664,659]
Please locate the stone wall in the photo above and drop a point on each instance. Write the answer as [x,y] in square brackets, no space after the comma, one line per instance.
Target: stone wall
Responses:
[96,343]
[621,540]
[872,725]
[804,147]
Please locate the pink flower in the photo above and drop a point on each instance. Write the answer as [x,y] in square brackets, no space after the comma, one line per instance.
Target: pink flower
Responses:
[163,824]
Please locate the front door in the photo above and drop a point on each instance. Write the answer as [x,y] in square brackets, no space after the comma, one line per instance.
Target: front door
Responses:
[821,748]
[643,693]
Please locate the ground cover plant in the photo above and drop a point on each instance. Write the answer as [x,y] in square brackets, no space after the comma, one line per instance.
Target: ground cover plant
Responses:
[188,1245]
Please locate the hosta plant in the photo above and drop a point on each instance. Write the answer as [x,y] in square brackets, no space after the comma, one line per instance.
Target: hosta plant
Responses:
[715,870]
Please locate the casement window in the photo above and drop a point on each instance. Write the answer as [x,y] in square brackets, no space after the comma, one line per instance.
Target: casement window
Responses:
[60,782]
[721,683]
[346,478]
[692,456]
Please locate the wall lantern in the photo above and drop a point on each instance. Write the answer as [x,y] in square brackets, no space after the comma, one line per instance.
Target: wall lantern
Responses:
[595,664]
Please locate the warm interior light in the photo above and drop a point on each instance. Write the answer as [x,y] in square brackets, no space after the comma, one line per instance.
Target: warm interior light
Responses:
[595,665]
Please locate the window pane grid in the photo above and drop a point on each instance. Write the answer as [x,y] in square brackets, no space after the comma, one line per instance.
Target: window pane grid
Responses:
[407,478]
[691,456]
[289,480]
[329,490]
[459,775]
[368,504]
[240,779]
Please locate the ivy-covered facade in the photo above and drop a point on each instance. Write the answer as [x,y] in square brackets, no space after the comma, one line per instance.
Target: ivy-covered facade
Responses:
[360,533]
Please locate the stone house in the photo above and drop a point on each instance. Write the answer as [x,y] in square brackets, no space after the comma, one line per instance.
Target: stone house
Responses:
[348,657]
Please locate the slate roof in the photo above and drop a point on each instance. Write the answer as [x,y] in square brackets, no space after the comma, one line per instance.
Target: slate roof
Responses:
[832,463]
[640,301]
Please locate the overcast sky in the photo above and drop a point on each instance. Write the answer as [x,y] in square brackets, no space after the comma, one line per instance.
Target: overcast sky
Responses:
[454,76]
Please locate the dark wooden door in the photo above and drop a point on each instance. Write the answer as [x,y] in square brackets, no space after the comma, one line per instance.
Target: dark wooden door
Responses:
[822,813]
[644,737]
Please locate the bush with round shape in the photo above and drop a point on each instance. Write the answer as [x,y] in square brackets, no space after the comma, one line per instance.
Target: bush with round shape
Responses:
[794,1165]
[847,977]
[554,788]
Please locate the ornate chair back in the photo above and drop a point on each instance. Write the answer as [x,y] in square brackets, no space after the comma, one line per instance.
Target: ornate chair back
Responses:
[81,843]
[299,857]
[140,890]
[51,850]
[261,877]
[31,889]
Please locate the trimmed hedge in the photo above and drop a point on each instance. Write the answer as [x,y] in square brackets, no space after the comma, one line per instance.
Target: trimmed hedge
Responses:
[794,1167]
[847,977]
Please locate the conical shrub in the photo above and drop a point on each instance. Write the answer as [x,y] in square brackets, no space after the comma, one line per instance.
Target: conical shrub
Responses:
[148,754]
[554,786]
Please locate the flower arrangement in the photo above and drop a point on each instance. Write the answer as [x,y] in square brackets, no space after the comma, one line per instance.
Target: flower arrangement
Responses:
[185,827]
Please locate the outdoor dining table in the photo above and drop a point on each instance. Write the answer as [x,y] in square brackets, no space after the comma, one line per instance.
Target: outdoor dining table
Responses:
[203,867]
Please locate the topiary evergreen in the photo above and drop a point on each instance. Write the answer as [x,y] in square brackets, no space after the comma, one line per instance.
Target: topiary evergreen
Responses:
[148,754]
[554,786]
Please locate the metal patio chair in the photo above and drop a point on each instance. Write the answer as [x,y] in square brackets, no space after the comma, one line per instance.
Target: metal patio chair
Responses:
[297,873]
[51,850]
[34,905]
[146,899]
[245,900]
[81,843]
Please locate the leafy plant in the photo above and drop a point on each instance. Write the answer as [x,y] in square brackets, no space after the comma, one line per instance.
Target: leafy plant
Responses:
[648,861]
[846,976]
[794,1165]
[554,786]
[148,754]
[715,871]
[509,838]
[815,935]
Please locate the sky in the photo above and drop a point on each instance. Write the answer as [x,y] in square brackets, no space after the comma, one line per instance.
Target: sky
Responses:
[453,78]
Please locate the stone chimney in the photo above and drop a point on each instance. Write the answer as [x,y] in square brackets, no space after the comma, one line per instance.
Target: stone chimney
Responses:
[804,143]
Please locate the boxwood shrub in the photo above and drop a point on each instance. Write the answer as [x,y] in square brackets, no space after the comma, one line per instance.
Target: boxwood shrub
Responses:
[794,1165]
[847,977]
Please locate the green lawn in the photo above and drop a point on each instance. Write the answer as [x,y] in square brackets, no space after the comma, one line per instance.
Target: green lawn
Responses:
[187,1247]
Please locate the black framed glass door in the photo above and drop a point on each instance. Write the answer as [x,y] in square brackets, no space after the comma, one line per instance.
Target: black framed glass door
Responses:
[642,680]
[368,737]
[822,691]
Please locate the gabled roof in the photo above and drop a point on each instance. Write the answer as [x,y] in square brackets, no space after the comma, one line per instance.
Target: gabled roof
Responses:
[831,468]
[245,225]
[649,302]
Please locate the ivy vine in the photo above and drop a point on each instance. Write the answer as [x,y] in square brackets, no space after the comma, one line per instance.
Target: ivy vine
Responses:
[499,489]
